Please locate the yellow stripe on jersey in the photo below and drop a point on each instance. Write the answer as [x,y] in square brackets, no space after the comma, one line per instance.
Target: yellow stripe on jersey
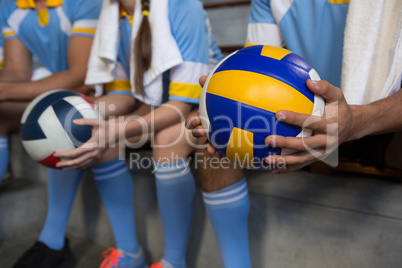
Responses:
[274,52]
[83,30]
[266,92]
[1,64]
[118,85]
[8,33]
[185,90]
[338,1]
[31,3]
[240,147]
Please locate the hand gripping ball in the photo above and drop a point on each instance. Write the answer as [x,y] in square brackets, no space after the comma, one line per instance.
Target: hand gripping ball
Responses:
[47,127]
[242,94]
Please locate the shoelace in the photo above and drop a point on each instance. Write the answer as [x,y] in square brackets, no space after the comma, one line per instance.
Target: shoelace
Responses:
[111,260]
[157,265]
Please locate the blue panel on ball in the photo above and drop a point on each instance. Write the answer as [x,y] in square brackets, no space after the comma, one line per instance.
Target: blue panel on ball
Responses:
[47,101]
[31,131]
[295,59]
[258,121]
[256,50]
[66,113]
[290,74]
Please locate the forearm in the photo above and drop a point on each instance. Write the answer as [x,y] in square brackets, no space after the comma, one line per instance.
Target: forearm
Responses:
[162,117]
[382,116]
[13,76]
[28,90]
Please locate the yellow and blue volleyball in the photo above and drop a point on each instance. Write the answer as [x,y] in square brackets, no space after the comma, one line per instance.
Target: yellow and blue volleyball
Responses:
[242,94]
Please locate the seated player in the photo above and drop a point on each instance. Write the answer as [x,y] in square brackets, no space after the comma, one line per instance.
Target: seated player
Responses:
[188,57]
[59,34]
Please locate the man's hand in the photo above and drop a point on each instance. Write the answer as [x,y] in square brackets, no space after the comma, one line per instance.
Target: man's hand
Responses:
[329,131]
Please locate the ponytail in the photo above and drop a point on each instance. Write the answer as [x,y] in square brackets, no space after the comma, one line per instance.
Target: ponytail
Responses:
[142,49]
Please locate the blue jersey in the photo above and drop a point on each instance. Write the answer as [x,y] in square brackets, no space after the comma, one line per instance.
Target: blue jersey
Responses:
[190,28]
[46,33]
[313,29]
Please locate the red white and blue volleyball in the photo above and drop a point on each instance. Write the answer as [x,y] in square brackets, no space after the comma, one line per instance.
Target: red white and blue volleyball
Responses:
[242,94]
[47,124]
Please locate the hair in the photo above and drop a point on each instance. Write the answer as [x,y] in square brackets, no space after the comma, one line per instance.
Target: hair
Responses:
[142,50]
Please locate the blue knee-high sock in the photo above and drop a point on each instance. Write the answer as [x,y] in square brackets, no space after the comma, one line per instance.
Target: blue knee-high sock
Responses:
[115,186]
[3,156]
[62,187]
[228,212]
[175,189]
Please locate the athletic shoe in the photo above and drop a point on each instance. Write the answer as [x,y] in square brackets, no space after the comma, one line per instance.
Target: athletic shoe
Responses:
[118,258]
[41,256]
[162,264]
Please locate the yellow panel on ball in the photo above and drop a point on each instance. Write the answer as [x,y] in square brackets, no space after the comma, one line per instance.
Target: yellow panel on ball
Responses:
[240,146]
[262,91]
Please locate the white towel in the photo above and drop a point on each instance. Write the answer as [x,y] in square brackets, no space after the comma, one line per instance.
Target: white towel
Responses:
[165,51]
[372,63]
[103,57]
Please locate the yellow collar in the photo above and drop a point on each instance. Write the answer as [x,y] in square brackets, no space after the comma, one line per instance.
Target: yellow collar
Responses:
[123,13]
[31,3]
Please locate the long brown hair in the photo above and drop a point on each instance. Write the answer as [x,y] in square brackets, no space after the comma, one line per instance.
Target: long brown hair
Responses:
[142,49]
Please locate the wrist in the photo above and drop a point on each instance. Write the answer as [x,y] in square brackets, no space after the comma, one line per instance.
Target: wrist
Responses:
[359,124]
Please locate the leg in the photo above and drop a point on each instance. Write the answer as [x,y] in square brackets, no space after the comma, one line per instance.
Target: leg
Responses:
[62,188]
[226,200]
[10,116]
[52,248]
[175,190]
[115,186]
[114,182]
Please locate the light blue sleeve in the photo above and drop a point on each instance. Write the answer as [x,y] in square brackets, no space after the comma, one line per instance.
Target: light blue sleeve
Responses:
[6,7]
[190,30]
[262,28]
[260,12]
[85,9]
[83,15]
[188,25]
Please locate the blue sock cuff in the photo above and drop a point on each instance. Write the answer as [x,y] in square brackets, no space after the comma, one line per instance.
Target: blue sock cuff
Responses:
[109,170]
[228,195]
[167,170]
[3,142]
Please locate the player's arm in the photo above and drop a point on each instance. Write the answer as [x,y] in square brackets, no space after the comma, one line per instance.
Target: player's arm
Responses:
[382,116]
[73,78]
[340,123]
[17,65]
[188,28]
